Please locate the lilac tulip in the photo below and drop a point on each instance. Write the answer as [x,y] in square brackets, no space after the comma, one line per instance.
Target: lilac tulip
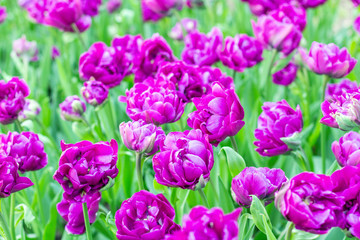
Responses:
[94,92]
[25,49]
[72,109]
[290,13]
[347,149]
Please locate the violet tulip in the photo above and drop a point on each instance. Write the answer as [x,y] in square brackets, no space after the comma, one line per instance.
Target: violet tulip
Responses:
[30,111]
[3,14]
[148,14]
[94,92]
[285,76]
[72,109]
[211,75]
[336,89]
[311,3]
[163,6]
[113,5]
[91,7]
[260,7]
[290,13]
[357,24]
[186,25]
[347,149]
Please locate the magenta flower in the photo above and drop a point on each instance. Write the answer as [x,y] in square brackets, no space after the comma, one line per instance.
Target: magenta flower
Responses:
[27,150]
[201,49]
[260,7]
[241,52]
[282,36]
[142,137]
[184,159]
[113,5]
[186,25]
[72,212]
[203,223]
[311,3]
[278,120]
[90,7]
[194,3]
[347,150]
[3,14]
[12,99]
[153,104]
[72,109]
[148,14]
[130,44]
[25,49]
[55,53]
[153,53]
[163,6]
[94,92]
[30,111]
[211,75]
[219,114]
[340,88]
[342,111]
[261,182]
[357,24]
[308,201]
[85,167]
[145,216]
[9,177]
[356,2]
[285,76]
[289,13]
[328,60]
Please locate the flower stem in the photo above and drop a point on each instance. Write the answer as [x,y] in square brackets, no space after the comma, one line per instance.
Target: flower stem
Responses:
[234,144]
[289,231]
[102,136]
[234,75]
[12,216]
[4,225]
[138,157]
[323,129]
[267,83]
[76,29]
[86,220]
[37,188]
[18,126]
[203,197]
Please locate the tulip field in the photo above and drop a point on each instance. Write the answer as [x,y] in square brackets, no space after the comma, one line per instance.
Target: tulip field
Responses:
[179,119]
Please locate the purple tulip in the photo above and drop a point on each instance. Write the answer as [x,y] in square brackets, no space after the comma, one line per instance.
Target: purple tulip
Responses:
[289,13]
[195,3]
[25,49]
[311,3]
[211,75]
[307,200]
[55,53]
[25,3]
[27,149]
[85,168]
[285,76]
[260,7]
[145,216]
[342,111]
[219,114]
[72,109]
[357,24]
[30,111]
[261,182]
[3,14]
[9,177]
[347,150]
[282,36]
[163,6]
[142,137]
[185,160]
[113,5]
[148,14]
[277,121]
[153,104]
[356,2]
[241,52]
[72,212]
[328,60]
[12,99]
[201,49]
[94,92]
[339,88]
[203,223]
[90,7]
[186,25]
[130,44]
[153,53]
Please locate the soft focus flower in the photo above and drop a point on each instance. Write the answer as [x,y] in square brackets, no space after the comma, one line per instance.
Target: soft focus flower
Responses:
[130,44]
[285,76]
[347,149]
[148,14]
[91,7]
[201,49]
[154,51]
[241,52]
[145,216]
[108,65]
[278,120]
[311,3]
[25,49]
[25,3]
[3,14]
[339,88]
[113,5]
[26,148]
[342,111]
[163,6]
[94,92]
[186,25]
[85,167]
[141,137]
[194,3]
[184,159]
[30,111]
[357,24]
[290,13]
[203,223]
[328,60]
[308,201]
[356,2]
[73,214]
[55,53]
[219,114]
[72,109]
[261,182]
[183,78]
[260,7]
[153,104]
[210,75]
[282,36]
[9,177]
[12,99]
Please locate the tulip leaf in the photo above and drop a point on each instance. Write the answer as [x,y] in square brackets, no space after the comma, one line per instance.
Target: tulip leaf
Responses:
[159,188]
[83,131]
[235,162]
[268,232]
[246,226]
[257,211]
[25,214]
[50,228]
[282,63]
[226,202]
[334,166]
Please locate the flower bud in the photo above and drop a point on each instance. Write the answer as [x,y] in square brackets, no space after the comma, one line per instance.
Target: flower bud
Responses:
[94,92]
[31,110]
[72,109]
[25,49]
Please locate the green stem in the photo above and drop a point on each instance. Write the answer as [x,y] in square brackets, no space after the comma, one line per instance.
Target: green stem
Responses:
[4,226]
[289,231]
[309,165]
[78,33]
[18,126]
[12,216]
[234,144]
[138,157]
[37,188]
[203,197]
[49,135]
[267,83]
[86,220]
[323,128]
[102,136]
[234,75]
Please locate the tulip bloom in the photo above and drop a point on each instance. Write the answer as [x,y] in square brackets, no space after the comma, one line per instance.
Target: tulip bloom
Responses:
[94,92]
[186,24]
[347,149]
[337,89]
[113,5]
[3,14]
[163,6]
[72,109]
[289,13]
[25,49]
[30,111]
[285,76]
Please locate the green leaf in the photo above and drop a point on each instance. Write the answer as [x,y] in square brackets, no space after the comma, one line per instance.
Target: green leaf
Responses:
[226,202]
[159,188]
[268,232]
[258,210]
[25,214]
[334,166]
[282,63]
[50,228]
[235,162]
